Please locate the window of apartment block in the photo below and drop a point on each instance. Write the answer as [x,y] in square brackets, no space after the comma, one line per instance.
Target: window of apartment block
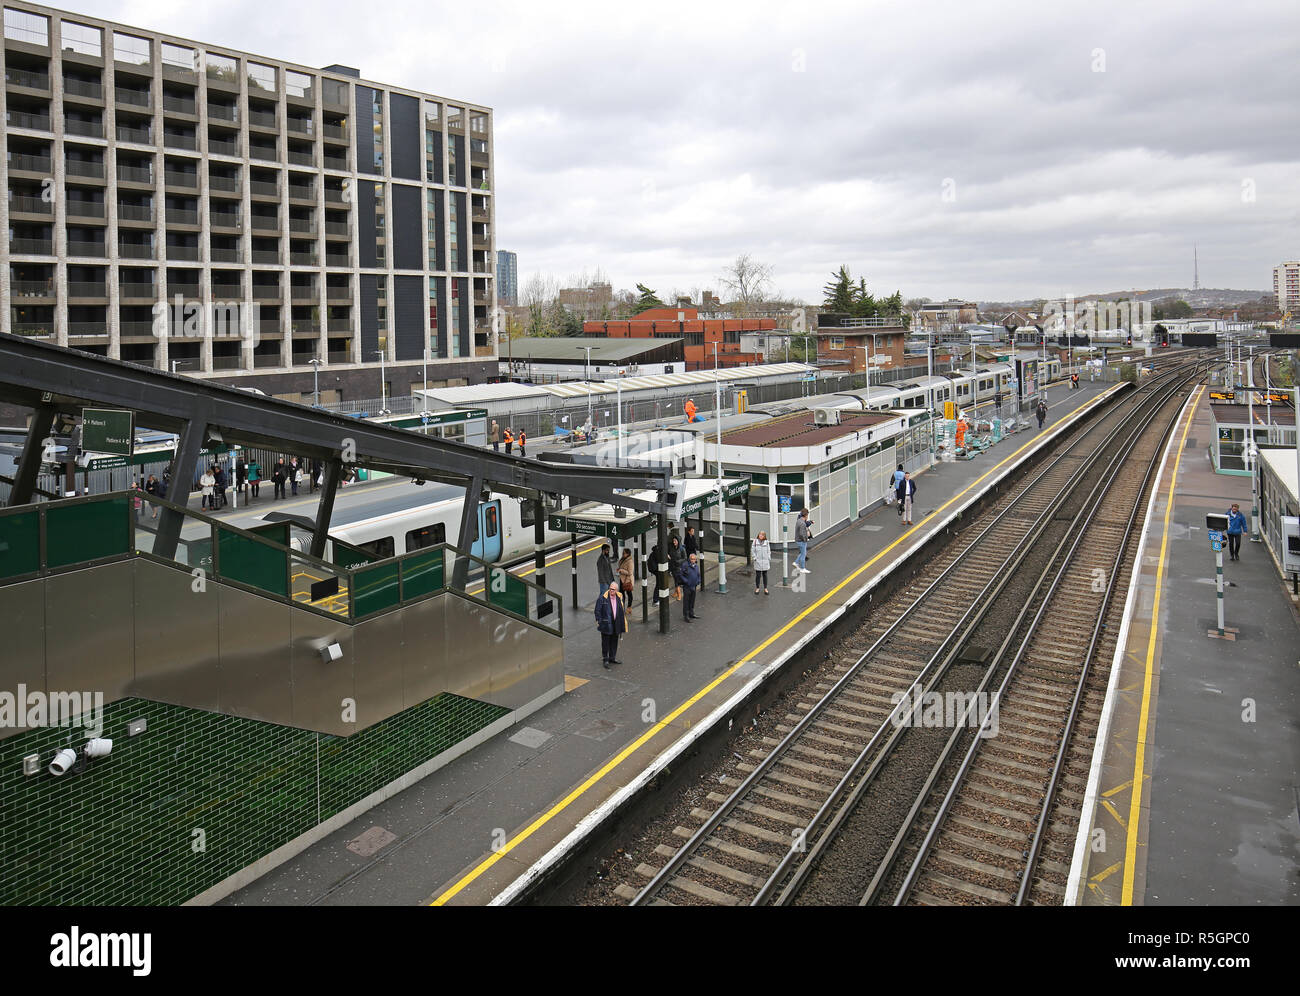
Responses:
[381,242]
[82,38]
[177,56]
[131,50]
[453,330]
[34,29]
[222,67]
[478,123]
[453,235]
[261,77]
[377,117]
[297,84]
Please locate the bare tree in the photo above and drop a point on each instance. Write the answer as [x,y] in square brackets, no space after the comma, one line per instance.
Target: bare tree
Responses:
[747,281]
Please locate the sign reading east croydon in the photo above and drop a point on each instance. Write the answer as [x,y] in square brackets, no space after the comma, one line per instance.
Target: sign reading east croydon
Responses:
[107,430]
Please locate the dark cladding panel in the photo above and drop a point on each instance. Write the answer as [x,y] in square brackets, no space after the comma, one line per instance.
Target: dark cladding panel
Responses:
[408,317]
[466,312]
[438,304]
[408,228]
[404,139]
[369,318]
[438,230]
[366,223]
[365,129]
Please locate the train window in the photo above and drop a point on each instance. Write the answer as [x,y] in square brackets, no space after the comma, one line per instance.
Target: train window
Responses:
[526,517]
[490,521]
[418,539]
[381,548]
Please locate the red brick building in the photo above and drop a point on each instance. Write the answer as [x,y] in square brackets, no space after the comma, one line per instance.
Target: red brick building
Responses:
[850,347]
[700,334]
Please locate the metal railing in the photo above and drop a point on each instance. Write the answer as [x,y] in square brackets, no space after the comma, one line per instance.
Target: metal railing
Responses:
[175,140]
[227,183]
[135,174]
[31,205]
[225,112]
[36,247]
[32,164]
[83,88]
[80,126]
[85,209]
[140,136]
[135,250]
[135,98]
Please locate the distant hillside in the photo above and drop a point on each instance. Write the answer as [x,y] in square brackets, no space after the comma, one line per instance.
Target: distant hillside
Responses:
[1206,297]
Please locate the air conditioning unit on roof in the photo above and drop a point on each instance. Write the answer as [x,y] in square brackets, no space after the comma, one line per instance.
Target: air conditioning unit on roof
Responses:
[826,416]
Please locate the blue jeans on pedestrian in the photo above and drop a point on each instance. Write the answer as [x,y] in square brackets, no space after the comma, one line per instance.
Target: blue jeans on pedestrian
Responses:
[803,554]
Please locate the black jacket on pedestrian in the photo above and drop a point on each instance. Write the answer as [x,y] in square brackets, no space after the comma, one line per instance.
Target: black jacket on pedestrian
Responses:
[604,572]
[691,543]
[610,617]
[675,558]
[906,487]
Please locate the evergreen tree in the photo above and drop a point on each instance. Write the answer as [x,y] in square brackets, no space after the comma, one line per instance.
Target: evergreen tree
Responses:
[864,305]
[647,300]
[839,293]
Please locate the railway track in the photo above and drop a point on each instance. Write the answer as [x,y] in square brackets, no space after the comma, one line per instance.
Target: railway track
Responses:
[935,636]
[1002,832]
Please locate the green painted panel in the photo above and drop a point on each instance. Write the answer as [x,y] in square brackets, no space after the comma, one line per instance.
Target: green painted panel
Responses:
[351,557]
[506,591]
[276,532]
[375,589]
[20,544]
[252,563]
[422,574]
[76,533]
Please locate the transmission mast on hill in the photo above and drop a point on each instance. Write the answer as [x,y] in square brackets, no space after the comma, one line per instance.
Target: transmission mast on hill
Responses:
[1196,269]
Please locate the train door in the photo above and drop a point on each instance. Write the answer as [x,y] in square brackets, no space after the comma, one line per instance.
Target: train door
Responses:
[488,545]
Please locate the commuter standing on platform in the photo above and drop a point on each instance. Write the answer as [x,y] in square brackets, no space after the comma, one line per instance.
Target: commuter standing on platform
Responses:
[241,475]
[898,477]
[1236,527]
[277,477]
[1041,412]
[604,568]
[906,492]
[611,620]
[626,575]
[690,581]
[254,475]
[295,475]
[675,561]
[762,553]
[151,486]
[691,542]
[802,533]
[207,488]
[494,437]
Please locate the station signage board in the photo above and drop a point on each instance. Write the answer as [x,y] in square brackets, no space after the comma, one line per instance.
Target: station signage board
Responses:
[108,430]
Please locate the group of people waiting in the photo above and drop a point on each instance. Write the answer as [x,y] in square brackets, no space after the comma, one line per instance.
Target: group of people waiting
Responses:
[496,436]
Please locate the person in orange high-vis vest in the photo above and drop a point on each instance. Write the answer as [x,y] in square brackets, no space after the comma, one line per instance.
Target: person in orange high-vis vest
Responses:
[509,441]
[690,411]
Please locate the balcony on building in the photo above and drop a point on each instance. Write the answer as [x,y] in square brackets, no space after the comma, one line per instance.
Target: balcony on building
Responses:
[134,209]
[183,281]
[183,247]
[336,226]
[181,174]
[29,157]
[338,288]
[135,245]
[135,169]
[136,128]
[83,162]
[88,284]
[335,130]
[303,288]
[227,285]
[135,321]
[265,251]
[264,218]
[223,141]
[225,249]
[266,286]
[302,252]
[87,320]
[26,75]
[223,181]
[225,217]
[301,153]
[262,148]
[136,284]
[27,112]
[302,187]
[32,282]
[338,349]
[227,354]
[180,136]
[302,221]
[179,103]
[334,191]
[82,87]
[132,93]
[263,184]
[85,203]
[35,321]
[28,201]
[267,354]
[335,158]
[86,241]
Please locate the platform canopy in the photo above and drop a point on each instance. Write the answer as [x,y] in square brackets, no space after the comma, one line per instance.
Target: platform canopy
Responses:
[694,494]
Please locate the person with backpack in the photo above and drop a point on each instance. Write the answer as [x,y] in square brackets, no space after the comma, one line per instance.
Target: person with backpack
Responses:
[254,475]
[1041,412]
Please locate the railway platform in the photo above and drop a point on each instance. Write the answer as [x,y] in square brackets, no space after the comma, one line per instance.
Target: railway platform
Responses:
[1191,797]
[479,830]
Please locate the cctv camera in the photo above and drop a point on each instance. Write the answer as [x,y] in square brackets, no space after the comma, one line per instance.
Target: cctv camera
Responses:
[98,747]
[63,760]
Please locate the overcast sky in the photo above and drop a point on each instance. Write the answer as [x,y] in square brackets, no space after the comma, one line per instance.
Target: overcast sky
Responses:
[983,151]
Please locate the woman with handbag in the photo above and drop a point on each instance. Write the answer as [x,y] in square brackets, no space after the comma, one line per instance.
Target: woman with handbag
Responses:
[626,575]
[675,557]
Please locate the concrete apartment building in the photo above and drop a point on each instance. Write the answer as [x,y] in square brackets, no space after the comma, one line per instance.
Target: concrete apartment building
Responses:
[200,209]
[1286,286]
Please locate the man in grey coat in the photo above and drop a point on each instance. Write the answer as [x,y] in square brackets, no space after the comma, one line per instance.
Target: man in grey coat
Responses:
[802,534]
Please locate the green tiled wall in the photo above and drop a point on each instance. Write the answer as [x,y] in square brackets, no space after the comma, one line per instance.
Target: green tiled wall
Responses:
[122,832]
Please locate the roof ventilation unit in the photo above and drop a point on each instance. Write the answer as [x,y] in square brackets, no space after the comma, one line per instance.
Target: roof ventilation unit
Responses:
[826,416]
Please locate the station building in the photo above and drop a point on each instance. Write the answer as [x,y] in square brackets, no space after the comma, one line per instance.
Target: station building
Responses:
[1279,508]
[1235,424]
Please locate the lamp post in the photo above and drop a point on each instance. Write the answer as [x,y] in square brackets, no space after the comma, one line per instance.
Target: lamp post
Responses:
[618,392]
[315,378]
[586,376]
[722,498]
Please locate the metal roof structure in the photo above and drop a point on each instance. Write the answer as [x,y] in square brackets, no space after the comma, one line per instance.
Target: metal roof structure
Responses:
[800,429]
[573,349]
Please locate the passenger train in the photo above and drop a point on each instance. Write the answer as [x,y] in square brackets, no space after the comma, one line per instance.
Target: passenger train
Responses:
[1017,379]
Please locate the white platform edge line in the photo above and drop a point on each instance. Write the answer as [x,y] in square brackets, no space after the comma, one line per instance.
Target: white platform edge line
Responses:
[1079,862]
[674,750]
